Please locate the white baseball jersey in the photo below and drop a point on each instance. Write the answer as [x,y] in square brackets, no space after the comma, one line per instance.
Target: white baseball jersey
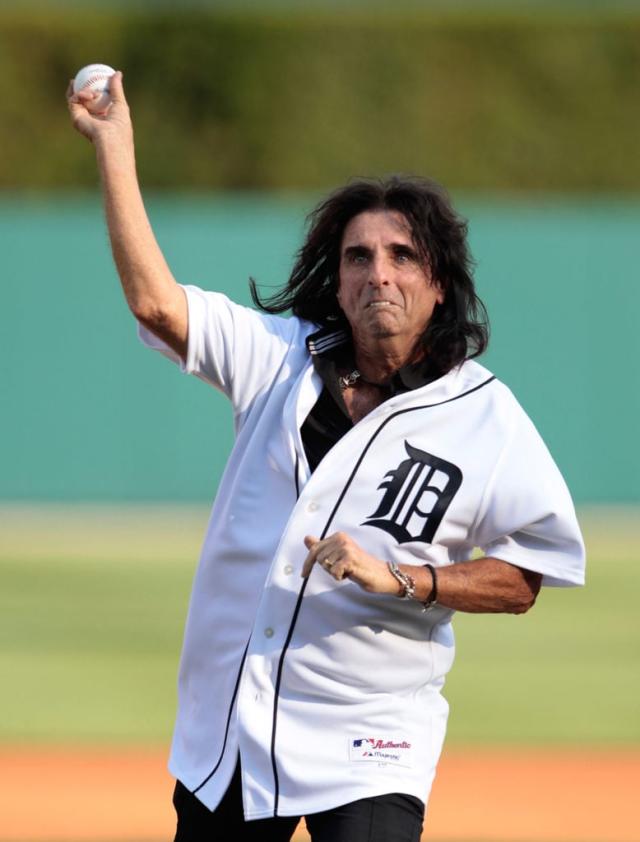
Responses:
[329,693]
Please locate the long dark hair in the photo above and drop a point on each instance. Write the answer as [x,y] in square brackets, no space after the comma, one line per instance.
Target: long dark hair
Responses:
[459,327]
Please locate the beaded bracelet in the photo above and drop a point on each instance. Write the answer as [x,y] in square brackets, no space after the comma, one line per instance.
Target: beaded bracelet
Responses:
[408,582]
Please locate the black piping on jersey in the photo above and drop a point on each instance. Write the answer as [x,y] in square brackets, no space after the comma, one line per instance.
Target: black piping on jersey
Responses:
[304,584]
[295,475]
[292,625]
[244,655]
[226,730]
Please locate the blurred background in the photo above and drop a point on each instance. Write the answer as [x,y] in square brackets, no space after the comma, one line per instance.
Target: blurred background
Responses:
[246,114]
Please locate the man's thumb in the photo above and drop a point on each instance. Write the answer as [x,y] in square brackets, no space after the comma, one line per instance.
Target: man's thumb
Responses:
[116,91]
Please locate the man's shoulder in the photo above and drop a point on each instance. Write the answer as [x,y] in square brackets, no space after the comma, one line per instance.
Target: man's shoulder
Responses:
[462,380]
[470,379]
[471,375]
[247,317]
[499,399]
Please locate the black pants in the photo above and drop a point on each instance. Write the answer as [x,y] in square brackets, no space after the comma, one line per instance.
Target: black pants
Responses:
[386,818]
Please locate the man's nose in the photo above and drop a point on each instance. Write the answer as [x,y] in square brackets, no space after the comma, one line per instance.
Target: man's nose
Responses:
[379,272]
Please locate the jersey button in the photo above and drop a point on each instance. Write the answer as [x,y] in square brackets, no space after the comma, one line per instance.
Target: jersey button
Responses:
[313,506]
[268,632]
[288,569]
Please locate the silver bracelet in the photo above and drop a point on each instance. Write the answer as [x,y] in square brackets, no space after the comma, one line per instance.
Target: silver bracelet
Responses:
[408,582]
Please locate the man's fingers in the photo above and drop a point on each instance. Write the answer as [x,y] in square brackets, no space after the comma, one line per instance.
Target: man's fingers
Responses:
[313,545]
[330,559]
[337,570]
[72,98]
[310,541]
[77,110]
[86,96]
[342,559]
[116,89]
[307,566]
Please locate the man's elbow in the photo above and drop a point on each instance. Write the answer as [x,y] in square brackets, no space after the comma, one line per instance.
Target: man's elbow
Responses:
[169,327]
[524,598]
[521,606]
[149,312]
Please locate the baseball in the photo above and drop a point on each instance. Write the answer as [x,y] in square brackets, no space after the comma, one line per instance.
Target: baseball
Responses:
[95,77]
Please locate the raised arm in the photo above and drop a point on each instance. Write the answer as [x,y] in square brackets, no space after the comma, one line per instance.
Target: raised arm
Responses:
[153,295]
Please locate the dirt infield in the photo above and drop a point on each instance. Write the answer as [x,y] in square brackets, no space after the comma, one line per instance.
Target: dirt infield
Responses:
[62,795]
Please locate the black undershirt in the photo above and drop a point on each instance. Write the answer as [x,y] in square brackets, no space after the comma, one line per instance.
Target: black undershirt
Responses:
[329,418]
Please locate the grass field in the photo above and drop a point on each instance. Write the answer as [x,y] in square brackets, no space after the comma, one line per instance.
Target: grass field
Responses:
[92,604]
[93,600]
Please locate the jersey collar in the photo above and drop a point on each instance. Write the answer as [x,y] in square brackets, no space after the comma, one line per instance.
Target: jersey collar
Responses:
[328,344]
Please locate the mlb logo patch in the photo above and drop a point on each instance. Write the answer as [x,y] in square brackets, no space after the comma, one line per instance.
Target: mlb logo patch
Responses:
[383,750]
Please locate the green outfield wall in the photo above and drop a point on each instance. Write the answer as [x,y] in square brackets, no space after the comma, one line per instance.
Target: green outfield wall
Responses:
[88,414]
[518,98]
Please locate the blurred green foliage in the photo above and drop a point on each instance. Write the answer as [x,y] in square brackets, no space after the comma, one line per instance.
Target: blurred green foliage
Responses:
[535,101]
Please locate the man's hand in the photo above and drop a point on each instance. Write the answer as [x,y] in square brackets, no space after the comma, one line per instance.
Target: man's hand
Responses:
[341,557]
[116,123]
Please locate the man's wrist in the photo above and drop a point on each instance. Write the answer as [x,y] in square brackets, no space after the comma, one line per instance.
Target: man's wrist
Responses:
[407,583]
[424,591]
[113,154]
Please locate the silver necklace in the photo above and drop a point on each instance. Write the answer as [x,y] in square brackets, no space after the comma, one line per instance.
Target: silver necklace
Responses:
[346,380]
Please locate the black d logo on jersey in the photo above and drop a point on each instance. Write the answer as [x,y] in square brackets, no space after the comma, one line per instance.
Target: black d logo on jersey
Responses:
[418,493]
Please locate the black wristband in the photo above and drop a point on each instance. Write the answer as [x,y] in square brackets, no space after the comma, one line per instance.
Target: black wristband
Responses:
[433,596]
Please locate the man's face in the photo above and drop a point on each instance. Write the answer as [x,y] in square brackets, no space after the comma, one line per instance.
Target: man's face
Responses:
[385,289]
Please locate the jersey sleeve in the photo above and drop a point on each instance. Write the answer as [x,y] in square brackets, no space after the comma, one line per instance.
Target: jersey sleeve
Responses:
[234,348]
[527,517]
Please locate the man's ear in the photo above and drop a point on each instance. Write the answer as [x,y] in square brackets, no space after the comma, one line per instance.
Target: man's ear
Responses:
[336,286]
[441,293]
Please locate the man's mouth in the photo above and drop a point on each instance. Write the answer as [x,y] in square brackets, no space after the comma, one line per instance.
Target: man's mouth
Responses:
[379,304]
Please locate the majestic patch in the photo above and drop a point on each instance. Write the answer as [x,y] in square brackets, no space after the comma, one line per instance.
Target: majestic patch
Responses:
[380,750]
[417,494]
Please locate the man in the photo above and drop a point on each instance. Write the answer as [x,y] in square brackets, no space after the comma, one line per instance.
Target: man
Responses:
[372,456]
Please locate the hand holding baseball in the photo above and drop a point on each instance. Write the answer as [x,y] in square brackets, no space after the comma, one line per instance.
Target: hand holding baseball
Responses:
[97,111]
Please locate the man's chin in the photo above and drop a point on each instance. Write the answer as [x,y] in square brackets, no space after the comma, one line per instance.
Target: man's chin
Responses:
[381,322]
[383,333]
[383,328]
